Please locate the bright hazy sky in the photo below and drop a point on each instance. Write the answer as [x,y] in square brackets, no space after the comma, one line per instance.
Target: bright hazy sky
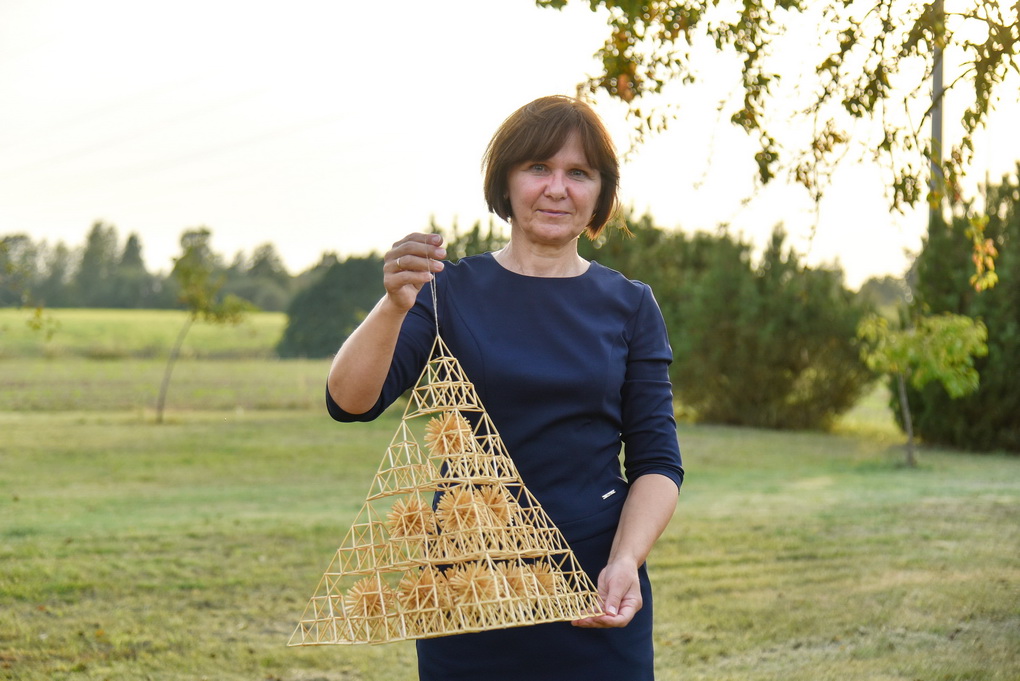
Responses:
[333,125]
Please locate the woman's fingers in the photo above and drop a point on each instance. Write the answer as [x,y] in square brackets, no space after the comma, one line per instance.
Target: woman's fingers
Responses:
[410,264]
[416,253]
[620,590]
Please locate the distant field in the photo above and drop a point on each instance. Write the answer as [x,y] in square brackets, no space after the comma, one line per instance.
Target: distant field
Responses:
[99,360]
[114,360]
[121,334]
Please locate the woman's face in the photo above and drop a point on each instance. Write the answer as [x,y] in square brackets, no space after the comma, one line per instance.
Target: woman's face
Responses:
[552,200]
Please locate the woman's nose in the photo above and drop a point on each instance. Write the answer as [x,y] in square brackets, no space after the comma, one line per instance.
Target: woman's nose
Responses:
[556,187]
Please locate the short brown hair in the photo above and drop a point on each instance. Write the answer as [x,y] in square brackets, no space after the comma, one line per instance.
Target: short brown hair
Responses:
[536,132]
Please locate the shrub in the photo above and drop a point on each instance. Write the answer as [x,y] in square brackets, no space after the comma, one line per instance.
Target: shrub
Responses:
[323,315]
[989,418]
[771,345]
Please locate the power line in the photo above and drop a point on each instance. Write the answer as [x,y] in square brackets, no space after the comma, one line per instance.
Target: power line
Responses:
[121,139]
[30,135]
[140,171]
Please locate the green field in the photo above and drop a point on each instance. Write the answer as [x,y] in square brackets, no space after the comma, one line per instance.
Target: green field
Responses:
[140,334]
[188,550]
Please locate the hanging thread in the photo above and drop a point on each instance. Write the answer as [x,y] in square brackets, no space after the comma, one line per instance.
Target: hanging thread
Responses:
[432,288]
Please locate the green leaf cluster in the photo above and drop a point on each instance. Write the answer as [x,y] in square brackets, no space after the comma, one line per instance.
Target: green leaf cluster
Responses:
[874,61]
[940,348]
[199,282]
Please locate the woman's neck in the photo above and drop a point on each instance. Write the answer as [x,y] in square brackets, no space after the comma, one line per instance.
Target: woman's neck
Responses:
[533,262]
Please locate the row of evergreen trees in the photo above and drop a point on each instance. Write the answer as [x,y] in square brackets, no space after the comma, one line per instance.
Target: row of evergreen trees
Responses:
[105,273]
[768,343]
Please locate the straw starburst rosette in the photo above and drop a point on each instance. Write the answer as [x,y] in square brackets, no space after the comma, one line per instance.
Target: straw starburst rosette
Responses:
[449,540]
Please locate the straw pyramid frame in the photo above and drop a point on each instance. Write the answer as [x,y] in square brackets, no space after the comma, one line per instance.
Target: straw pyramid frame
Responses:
[486,557]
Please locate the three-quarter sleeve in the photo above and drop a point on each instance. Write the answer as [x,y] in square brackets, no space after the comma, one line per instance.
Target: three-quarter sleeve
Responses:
[649,425]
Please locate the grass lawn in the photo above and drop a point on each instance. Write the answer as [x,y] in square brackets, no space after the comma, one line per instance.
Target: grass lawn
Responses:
[188,551]
[76,383]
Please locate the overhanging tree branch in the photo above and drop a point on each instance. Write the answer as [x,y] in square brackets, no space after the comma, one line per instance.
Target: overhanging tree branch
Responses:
[867,47]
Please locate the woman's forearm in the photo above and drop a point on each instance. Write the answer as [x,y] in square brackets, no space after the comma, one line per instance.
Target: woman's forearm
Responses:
[359,368]
[650,504]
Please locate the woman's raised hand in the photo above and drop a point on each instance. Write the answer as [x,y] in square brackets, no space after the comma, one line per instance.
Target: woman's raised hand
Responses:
[409,265]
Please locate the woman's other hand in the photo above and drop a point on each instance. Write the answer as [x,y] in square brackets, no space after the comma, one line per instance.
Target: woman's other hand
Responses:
[620,591]
[409,265]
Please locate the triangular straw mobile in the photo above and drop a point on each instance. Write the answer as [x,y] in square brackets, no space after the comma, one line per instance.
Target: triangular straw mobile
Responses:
[484,556]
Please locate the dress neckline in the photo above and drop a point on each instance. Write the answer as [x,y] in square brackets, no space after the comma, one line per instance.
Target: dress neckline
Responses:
[573,277]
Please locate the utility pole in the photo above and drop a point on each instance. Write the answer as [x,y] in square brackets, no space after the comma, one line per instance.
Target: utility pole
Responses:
[937,181]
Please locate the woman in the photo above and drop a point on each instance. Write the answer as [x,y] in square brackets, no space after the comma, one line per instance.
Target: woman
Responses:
[569,359]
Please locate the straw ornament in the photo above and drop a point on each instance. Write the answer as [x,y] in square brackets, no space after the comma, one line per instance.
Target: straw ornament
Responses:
[369,597]
[487,557]
[425,589]
[448,434]
[495,501]
[411,518]
[520,580]
[546,580]
[460,510]
[473,584]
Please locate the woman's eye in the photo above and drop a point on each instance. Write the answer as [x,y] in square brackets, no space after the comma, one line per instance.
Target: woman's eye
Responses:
[538,167]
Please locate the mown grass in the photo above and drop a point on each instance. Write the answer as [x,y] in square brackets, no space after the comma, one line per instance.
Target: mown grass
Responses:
[75,383]
[188,551]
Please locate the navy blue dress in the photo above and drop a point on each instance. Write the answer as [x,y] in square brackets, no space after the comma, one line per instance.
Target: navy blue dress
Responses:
[568,369]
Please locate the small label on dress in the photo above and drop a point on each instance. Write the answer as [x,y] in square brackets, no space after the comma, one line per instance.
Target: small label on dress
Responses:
[609,494]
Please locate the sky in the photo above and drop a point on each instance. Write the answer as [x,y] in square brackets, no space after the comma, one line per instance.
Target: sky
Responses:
[341,126]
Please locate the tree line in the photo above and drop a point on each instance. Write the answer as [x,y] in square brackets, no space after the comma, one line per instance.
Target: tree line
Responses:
[766,341]
[107,273]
